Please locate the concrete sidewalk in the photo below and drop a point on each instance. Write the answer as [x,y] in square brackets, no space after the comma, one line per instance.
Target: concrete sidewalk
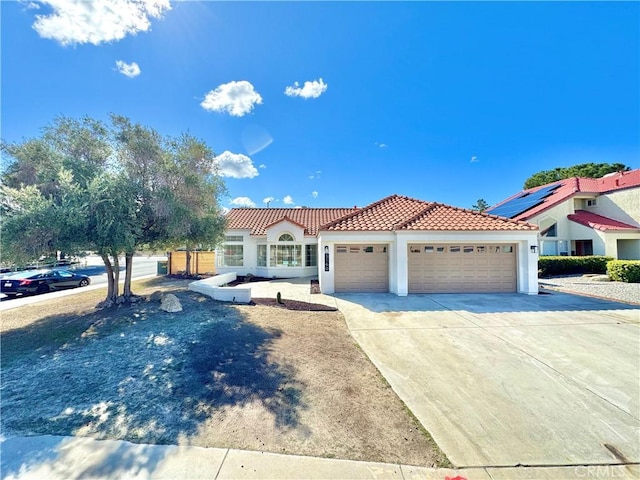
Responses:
[67,458]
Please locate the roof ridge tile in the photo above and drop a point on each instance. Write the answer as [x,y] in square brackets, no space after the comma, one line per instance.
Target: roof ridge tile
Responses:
[356,212]
[429,206]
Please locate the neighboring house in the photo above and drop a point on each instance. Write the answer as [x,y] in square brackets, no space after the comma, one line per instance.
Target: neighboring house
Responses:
[398,244]
[582,216]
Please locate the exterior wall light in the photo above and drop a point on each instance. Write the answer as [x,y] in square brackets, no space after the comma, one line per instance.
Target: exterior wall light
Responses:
[534,248]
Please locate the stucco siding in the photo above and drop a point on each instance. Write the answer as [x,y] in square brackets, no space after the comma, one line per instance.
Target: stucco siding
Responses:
[623,205]
[274,232]
[558,214]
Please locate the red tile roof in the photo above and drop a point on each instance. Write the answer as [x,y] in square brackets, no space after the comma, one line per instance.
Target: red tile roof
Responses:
[574,185]
[258,219]
[396,213]
[598,222]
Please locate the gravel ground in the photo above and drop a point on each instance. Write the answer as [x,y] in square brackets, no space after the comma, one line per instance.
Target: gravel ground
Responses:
[251,377]
[595,286]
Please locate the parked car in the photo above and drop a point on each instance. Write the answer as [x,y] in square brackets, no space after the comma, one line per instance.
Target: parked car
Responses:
[32,282]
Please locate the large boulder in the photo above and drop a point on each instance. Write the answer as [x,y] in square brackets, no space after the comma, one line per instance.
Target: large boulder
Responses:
[170,303]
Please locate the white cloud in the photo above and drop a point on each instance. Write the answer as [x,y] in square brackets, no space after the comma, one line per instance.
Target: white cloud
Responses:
[128,69]
[262,165]
[314,194]
[267,200]
[235,165]
[73,22]
[316,174]
[474,159]
[235,98]
[243,202]
[288,200]
[311,89]
[381,145]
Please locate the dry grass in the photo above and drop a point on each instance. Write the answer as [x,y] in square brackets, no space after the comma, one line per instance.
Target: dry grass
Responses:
[248,377]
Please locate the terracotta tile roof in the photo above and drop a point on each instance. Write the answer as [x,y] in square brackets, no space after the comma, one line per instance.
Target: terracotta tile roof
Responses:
[445,217]
[258,219]
[572,186]
[382,215]
[396,213]
[598,222]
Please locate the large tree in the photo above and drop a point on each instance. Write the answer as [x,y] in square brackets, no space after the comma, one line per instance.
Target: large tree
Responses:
[86,185]
[193,190]
[586,170]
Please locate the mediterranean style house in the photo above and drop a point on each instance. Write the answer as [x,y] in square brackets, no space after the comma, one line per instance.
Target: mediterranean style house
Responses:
[398,244]
[582,216]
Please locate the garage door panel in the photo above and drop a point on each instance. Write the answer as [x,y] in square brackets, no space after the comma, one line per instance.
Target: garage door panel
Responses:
[437,268]
[361,268]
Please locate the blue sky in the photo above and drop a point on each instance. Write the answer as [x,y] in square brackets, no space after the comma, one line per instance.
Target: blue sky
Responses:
[341,104]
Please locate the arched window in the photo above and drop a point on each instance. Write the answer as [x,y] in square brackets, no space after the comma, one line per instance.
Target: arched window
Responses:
[286,253]
[286,237]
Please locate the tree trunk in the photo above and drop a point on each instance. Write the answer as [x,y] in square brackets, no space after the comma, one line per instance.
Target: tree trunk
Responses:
[187,270]
[116,273]
[112,285]
[128,273]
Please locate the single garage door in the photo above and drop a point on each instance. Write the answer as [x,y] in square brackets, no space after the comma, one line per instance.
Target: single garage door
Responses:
[461,268]
[361,268]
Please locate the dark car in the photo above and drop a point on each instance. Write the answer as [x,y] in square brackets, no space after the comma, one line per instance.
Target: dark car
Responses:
[41,281]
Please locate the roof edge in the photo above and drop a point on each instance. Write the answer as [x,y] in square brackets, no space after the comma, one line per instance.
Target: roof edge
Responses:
[286,218]
[574,217]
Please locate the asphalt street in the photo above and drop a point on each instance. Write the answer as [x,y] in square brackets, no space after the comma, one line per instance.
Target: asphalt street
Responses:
[143,266]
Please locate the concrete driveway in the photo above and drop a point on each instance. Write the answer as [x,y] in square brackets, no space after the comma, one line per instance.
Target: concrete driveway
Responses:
[507,379]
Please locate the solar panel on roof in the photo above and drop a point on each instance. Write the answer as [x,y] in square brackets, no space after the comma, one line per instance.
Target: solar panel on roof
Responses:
[523,202]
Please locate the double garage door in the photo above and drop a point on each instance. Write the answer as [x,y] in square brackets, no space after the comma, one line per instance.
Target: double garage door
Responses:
[432,268]
[474,268]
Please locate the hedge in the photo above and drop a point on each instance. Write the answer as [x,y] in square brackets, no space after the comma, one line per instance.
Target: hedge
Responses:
[551,265]
[624,270]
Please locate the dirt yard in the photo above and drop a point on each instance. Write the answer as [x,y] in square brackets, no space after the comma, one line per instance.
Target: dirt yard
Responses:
[215,375]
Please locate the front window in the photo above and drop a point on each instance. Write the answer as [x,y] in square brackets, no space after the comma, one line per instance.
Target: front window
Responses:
[233,256]
[286,237]
[262,255]
[311,255]
[551,231]
[286,256]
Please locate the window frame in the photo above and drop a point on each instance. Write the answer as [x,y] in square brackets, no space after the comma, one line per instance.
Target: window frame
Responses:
[262,246]
[291,251]
[311,255]
[226,256]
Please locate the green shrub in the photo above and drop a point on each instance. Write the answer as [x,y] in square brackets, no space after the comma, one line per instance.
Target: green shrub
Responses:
[624,270]
[549,266]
